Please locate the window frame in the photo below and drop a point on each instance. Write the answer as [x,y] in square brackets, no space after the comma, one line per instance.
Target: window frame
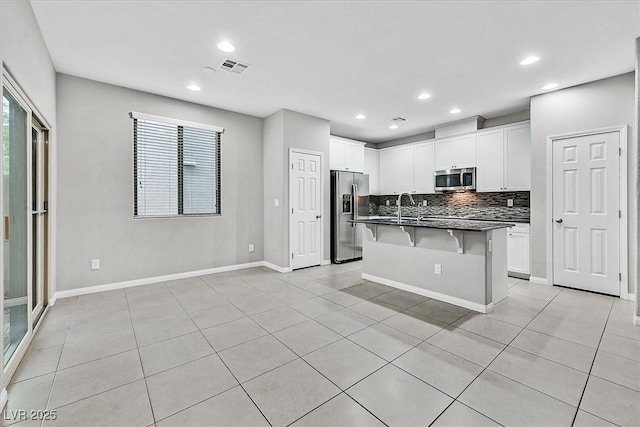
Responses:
[180,127]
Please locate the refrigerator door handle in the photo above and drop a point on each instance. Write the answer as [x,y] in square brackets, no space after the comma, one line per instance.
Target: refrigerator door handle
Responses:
[354,205]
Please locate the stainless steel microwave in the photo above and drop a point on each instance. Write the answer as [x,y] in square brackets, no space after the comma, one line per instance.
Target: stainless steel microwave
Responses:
[455,179]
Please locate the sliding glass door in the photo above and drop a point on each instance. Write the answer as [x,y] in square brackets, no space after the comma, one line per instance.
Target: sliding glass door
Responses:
[25,222]
[15,123]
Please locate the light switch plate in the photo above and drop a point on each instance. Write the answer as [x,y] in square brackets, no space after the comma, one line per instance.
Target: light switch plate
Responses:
[95,264]
[251,247]
[437,268]
[276,202]
[387,202]
[509,203]
[424,203]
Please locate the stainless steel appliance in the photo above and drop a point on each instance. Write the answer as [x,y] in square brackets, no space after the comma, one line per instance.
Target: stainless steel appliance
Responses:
[349,199]
[455,179]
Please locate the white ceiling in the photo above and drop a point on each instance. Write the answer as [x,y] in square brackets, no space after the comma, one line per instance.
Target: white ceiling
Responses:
[335,59]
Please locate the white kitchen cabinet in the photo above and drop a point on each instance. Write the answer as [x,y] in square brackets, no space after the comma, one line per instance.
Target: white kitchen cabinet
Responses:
[372,168]
[336,155]
[407,169]
[405,166]
[455,152]
[519,250]
[388,171]
[346,155]
[490,168]
[424,162]
[504,160]
[517,167]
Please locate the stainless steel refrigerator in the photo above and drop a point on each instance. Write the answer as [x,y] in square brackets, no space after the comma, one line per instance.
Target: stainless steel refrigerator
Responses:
[349,199]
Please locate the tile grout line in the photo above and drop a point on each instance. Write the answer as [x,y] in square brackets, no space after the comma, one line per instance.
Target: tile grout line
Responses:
[144,377]
[371,373]
[214,352]
[243,389]
[595,356]
[498,355]
[55,376]
[376,322]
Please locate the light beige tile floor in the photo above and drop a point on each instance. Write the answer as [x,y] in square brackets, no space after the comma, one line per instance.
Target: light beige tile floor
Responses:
[322,347]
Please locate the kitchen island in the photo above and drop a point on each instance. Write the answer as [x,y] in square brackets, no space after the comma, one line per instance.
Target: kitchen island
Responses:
[457,261]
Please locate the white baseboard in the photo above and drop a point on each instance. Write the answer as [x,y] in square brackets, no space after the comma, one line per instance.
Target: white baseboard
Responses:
[435,295]
[3,399]
[539,280]
[636,320]
[326,262]
[148,280]
[276,267]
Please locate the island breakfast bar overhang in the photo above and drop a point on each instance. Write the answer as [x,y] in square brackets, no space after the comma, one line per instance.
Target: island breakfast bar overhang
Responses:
[460,262]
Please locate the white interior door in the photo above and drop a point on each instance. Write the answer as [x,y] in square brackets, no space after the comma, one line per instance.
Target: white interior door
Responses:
[586,203]
[306,209]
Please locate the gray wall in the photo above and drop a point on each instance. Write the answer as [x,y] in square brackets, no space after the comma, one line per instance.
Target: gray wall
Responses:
[599,104]
[283,130]
[309,133]
[27,58]
[406,140]
[519,116]
[95,197]
[276,249]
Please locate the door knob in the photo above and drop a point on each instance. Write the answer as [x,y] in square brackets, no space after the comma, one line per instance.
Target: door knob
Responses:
[318,216]
[559,220]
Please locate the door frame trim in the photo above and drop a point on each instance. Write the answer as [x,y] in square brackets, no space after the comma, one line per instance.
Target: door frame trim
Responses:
[322,223]
[622,196]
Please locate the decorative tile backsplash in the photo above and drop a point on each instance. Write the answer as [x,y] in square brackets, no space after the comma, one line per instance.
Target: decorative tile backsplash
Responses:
[465,203]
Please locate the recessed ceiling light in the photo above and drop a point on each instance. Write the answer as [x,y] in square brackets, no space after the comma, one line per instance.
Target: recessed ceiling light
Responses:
[529,60]
[424,95]
[193,87]
[208,70]
[393,127]
[226,46]
[550,86]
[455,111]
[360,116]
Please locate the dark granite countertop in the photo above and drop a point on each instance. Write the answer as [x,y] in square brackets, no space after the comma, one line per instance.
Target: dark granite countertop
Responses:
[440,223]
[519,219]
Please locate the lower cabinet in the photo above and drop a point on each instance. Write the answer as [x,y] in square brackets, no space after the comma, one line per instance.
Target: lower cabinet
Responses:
[519,250]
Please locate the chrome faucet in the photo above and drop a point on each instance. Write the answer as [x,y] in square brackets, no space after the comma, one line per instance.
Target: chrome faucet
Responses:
[399,203]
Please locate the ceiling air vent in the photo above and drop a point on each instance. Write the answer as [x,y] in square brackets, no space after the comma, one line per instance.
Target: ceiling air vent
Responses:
[233,66]
[398,119]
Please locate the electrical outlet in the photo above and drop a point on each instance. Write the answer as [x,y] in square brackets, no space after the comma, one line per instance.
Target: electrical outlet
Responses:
[386,202]
[95,264]
[437,268]
[509,203]
[276,202]
[251,247]
[424,203]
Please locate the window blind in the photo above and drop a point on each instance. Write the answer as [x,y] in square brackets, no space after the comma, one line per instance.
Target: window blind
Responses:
[176,168]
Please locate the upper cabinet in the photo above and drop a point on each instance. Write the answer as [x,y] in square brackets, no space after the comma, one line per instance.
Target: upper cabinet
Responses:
[504,159]
[424,167]
[455,152]
[388,171]
[346,155]
[407,169]
[517,164]
[372,168]
[501,157]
